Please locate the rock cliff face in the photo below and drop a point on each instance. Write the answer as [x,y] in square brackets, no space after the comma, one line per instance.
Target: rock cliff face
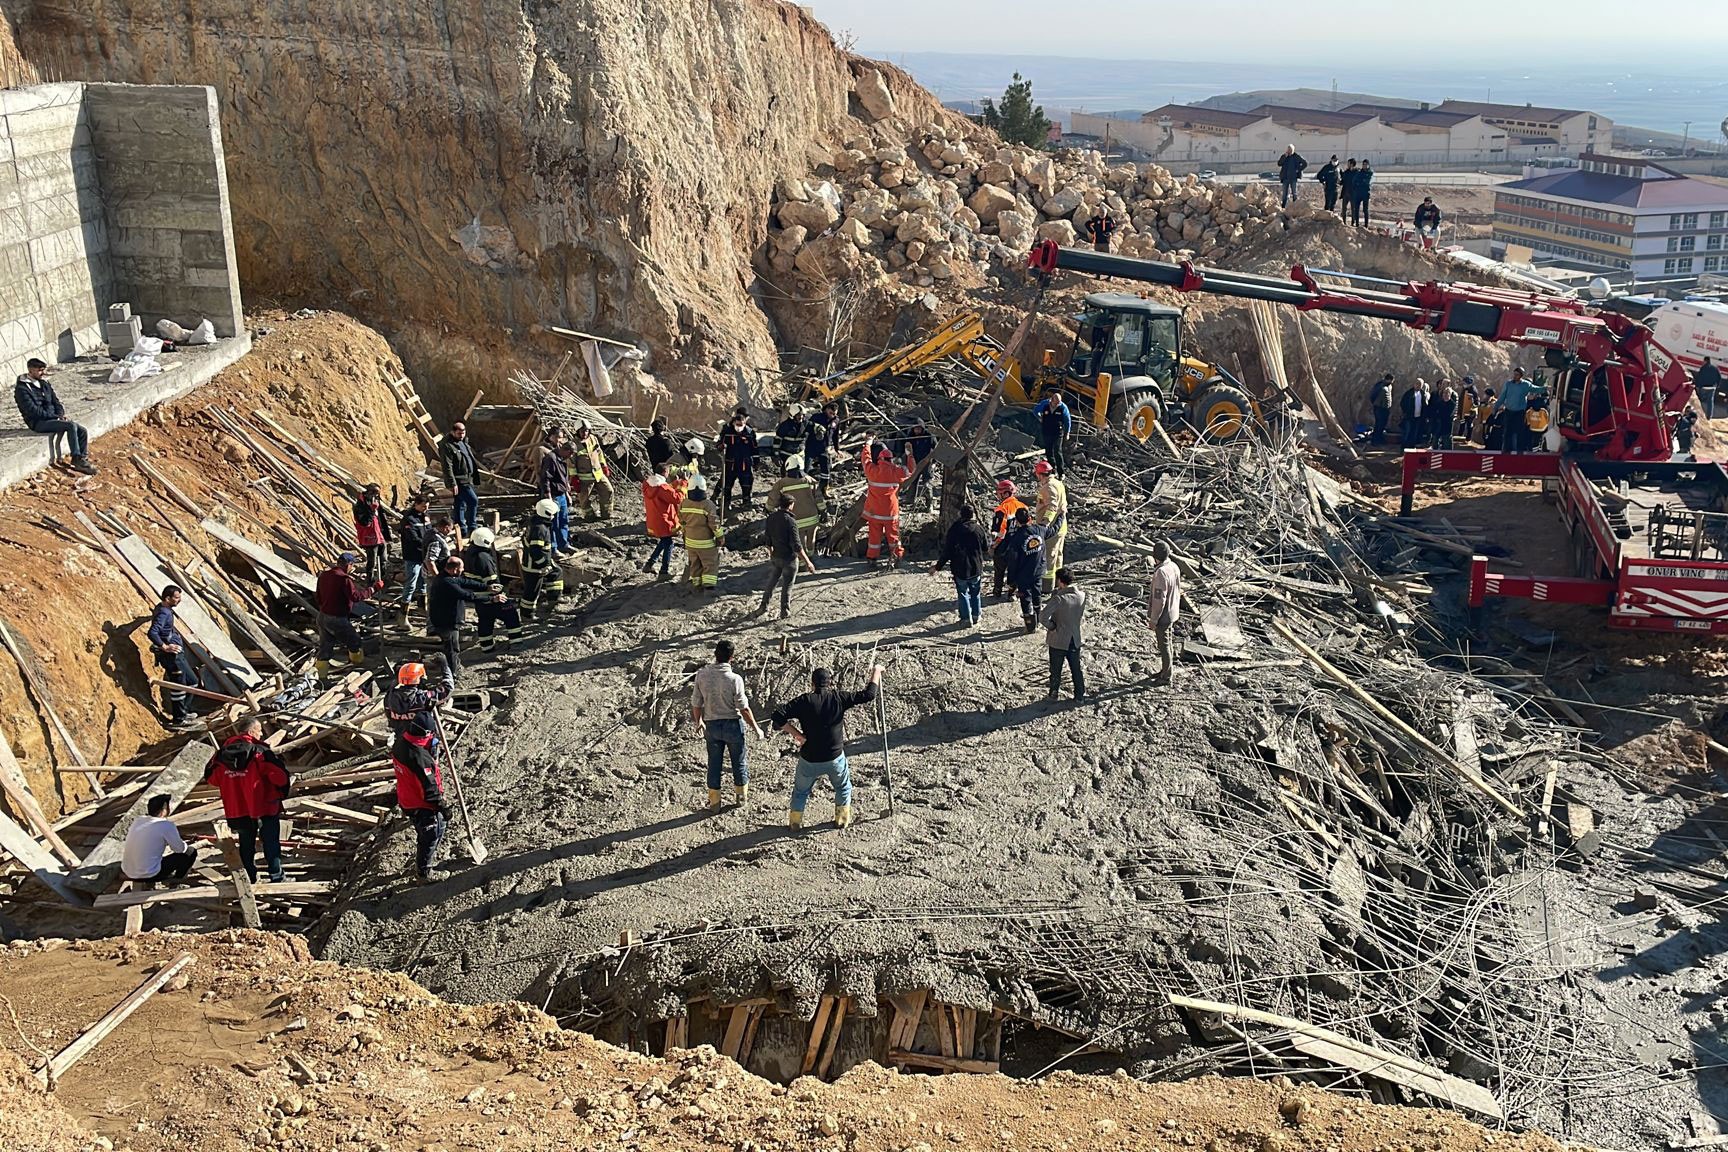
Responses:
[462,173]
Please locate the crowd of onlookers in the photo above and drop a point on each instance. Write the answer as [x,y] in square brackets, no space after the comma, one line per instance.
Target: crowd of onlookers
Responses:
[1447,413]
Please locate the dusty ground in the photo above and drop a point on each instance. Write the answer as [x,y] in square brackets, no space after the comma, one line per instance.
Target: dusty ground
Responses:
[322,377]
[266,1048]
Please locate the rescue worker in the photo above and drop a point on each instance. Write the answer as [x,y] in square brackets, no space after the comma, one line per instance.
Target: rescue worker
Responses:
[884,475]
[1007,503]
[480,563]
[789,436]
[1468,399]
[416,534]
[660,501]
[337,594]
[1022,553]
[169,649]
[695,451]
[816,721]
[702,544]
[372,533]
[1328,177]
[821,437]
[554,481]
[807,502]
[593,486]
[738,445]
[1055,425]
[1051,515]
[659,446]
[420,794]
[1100,228]
[542,576]
[918,445]
[447,608]
[461,475]
[785,552]
[412,704]
[1686,432]
[253,782]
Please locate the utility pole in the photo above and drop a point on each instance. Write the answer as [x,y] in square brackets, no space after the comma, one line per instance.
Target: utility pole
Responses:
[1686,139]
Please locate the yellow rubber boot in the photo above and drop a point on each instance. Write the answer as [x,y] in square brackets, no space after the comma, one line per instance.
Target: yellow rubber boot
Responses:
[794,819]
[355,659]
[741,794]
[842,815]
[323,668]
[713,797]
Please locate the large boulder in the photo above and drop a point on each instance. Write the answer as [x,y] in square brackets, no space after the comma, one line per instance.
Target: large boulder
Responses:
[871,206]
[996,172]
[856,232]
[989,202]
[816,215]
[920,226]
[828,258]
[1063,202]
[873,94]
[1039,172]
[1014,228]
[1060,231]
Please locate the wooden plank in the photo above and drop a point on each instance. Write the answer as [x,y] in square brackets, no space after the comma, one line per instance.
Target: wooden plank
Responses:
[102,864]
[1543,829]
[224,890]
[908,1014]
[1221,626]
[262,558]
[23,800]
[345,815]
[134,921]
[36,682]
[945,1030]
[945,1063]
[677,1033]
[62,1061]
[757,1011]
[22,847]
[827,1063]
[813,1048]
[167,485]
[237,875]
[208,640]
[242,619]
[1336,1048]
[734,1039]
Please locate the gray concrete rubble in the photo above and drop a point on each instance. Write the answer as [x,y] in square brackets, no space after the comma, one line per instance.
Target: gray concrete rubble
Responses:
[1259,835]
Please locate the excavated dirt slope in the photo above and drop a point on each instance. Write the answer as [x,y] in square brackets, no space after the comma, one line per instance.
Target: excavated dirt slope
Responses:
[265,1048]
[323,377]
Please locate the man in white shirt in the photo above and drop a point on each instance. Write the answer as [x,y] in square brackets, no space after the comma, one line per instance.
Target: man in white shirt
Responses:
[154,848]
[718,703]
[1163,606]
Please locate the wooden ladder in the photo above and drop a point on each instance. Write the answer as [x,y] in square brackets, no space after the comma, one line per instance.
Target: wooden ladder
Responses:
[409,401]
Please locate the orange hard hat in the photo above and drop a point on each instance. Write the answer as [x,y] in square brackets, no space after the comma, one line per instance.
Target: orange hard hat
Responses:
[410,674]
[1043,468]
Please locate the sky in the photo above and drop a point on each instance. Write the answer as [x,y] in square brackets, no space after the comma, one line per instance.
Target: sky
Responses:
[1290,31]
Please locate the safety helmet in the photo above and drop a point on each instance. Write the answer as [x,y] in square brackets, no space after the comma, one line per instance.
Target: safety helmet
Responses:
[695,447]
[410,674]
[1004,487]
[482,537]
[656,481]
[795,463]
[698,487]
[1043,468]
[547,509]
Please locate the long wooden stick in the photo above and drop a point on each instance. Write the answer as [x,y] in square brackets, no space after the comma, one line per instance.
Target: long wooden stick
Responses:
[61,1062]
[34,682]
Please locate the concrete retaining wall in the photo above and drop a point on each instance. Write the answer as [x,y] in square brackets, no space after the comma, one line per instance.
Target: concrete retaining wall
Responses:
[109,193]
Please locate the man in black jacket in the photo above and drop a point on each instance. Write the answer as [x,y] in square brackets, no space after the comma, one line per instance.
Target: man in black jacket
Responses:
[1347,182]
[785,552]
[1364,192]
[789,436]
[816,721]
[461,474]
[1707,381]
[660,447]
[416,533]
[920,444]
[447,609]
[44,413]
[1328,177]
[821,436]
[480,562]
[963,552]
[738,460]
[1428,222]
[1290,169]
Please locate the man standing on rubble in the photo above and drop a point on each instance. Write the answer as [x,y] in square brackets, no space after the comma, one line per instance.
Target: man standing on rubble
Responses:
[806,500]
[1328,177]
[1380,400]
[789,436]
[703,544]
[1163,606]
[1515,398]
[659,446]
[416,534]
[1051,516]
[253,781]
[1442,415]
[1055,425]
[169,649]
[785,553]
[461,475]
[542,577]
[593,486]
[372,533]
[420,793]
[480,563]
[738,465]
[447,609]
[338,595]
[412,703]
[554,482]
[820,439]
[1002,519]
[719,705]
[1290,169]
[1100,228]
[660,501]
[1707,381]
[1061,619]
[816,721]
[919,444]
[1021,552]
[1414,407]
[963,552]
[883,476]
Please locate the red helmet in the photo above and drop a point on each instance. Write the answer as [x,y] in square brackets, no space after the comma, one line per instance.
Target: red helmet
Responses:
[410,674]
[1004,487]
[1043,468]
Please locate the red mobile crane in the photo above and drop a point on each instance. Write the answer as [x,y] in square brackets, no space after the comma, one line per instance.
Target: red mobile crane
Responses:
[1649,535]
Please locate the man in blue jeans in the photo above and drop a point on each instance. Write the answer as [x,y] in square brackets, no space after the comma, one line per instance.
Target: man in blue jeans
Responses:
[817,722]
[963,552]
[718,703]
[1515,404]
[461,474]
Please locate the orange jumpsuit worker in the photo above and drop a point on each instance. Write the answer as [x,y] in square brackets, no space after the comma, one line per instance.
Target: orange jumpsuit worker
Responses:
[882,500]
[1007,503]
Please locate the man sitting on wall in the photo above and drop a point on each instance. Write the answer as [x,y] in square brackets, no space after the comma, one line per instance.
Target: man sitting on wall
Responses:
[43,413]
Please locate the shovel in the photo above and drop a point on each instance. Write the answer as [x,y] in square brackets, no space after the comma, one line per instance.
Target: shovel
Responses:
[476,847]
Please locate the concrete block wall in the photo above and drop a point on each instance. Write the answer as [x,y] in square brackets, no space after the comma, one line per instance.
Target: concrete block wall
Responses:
[56,273]
[109,193]
[159,158]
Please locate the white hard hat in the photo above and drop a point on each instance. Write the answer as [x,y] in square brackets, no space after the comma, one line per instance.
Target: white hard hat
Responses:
[483,536]
[547,509]
[697,484]
[695,447]
[795,463]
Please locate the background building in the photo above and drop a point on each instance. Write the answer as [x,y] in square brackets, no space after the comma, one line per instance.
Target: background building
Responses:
[1620,213]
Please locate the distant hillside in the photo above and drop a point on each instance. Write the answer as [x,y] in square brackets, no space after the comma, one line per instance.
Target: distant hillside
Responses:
[1323,99]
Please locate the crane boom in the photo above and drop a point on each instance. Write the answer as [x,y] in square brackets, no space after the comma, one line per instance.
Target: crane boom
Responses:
[1629,389]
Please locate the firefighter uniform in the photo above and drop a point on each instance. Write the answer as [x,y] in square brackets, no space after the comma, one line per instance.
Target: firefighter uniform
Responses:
[882,502]
[700,521]
[1051,514]
[1000,522]
[480,559]
[806,501]
[542,578]
[594,490]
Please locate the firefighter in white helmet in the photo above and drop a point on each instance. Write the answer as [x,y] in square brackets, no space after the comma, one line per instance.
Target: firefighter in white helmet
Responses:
[542,578]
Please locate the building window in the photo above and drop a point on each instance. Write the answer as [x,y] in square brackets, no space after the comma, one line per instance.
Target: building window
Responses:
[1717,218]
[1688,243]
[1712,263]
[1673,243]
[1689,222]
[1673,225]
[1713,243]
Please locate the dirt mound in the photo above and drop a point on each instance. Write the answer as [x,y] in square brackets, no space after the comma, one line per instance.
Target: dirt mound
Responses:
[324,377]
[265,1048]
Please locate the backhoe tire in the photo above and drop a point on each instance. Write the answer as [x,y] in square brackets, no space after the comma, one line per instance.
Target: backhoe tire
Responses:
[1143,412]
[1223,413]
